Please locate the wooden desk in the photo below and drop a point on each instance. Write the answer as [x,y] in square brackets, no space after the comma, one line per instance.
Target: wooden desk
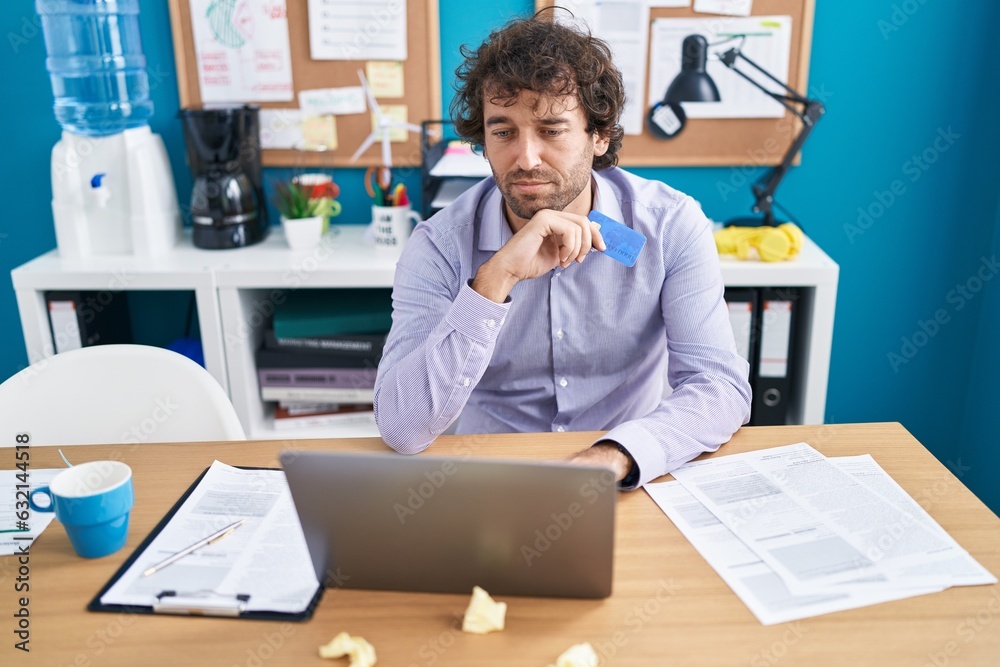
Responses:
[668,607]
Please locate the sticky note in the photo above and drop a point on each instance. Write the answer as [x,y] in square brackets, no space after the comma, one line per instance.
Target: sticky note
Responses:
[484,615]
[319,133]
[385,77]
[623,243]
[398,113]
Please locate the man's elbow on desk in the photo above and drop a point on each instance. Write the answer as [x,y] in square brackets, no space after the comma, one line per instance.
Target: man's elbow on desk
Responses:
[401,434]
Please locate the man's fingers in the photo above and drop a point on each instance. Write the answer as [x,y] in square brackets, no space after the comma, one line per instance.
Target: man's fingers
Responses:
[586,241]
[597,239]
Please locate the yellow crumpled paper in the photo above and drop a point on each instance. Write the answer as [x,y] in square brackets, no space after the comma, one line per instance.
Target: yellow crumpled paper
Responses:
[360,652]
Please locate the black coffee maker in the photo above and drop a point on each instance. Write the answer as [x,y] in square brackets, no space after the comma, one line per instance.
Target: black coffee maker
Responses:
[228,209]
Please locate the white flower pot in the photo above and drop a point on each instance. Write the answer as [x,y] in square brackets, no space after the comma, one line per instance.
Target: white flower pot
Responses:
[302,233]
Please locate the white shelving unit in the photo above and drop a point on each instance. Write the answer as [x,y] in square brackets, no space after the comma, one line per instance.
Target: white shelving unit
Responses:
[236,291]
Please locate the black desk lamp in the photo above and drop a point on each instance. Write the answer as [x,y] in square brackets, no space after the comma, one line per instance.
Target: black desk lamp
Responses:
[666,119]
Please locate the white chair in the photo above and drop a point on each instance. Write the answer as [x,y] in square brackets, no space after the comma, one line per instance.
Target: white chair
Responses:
[115,394]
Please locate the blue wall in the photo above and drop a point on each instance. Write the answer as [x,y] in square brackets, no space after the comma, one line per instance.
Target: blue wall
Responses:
[894,82]
[978,457]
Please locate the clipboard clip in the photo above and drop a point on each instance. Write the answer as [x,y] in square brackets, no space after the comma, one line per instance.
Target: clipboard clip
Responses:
[202,603]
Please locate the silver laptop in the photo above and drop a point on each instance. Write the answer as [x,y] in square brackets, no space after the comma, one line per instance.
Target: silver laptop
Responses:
[444,525]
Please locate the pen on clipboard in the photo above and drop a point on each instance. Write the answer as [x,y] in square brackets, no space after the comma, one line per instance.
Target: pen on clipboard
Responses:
[214,537]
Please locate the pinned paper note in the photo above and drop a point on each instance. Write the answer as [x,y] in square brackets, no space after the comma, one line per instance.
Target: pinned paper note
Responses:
[242,50]
[280,128]
[398,113]
[353,30]
[727,7]
[319,133]
[322,101]
[385,77]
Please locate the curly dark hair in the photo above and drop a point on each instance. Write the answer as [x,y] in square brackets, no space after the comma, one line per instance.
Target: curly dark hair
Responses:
[542,56]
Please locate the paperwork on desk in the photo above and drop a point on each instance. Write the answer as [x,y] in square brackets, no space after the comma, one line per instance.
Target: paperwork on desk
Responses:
[13,541]
[266,558]
[796,534]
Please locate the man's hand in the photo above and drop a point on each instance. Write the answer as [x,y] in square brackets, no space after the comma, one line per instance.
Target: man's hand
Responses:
[607,455]
[550,239]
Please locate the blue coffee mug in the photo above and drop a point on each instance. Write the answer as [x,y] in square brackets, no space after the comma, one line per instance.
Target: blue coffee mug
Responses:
[92,501]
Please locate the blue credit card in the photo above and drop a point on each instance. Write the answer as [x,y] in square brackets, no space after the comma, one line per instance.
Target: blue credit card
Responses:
[623,243]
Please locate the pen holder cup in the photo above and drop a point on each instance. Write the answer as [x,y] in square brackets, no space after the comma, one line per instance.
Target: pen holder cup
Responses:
[92,501]
[392,226]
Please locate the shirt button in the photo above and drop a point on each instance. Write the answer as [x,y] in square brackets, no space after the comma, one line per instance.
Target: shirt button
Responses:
[560,429]
[563,382]
[466,382]
[491,323]
[560,334]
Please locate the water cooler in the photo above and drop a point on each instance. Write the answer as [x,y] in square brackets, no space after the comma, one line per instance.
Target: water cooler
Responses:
[112,189]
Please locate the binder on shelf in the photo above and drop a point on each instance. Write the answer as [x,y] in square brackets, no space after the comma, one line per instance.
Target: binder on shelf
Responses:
[743,316]
[84,318]
[772,388]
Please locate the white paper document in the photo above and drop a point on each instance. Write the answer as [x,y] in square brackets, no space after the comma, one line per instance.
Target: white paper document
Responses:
[730,7]
[960,569]
[624,25]
[13,538]
[818,526]
[768,42]
[266,558]
[242,50]
[756,584]
[352,30]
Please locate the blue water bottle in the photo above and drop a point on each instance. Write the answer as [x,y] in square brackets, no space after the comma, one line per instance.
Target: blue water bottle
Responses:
[96,65]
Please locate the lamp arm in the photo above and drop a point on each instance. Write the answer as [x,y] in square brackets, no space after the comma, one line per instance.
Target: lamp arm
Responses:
[811,112]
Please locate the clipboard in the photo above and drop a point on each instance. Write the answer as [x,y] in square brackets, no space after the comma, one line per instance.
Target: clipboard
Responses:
[179,603]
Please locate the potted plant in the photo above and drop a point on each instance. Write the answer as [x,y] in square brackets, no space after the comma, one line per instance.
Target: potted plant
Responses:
[303,216]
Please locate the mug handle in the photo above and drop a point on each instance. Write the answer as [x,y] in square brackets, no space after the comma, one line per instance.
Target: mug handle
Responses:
[31,500]
[414,217]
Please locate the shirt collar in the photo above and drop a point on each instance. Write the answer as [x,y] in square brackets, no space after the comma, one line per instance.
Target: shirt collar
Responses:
[494,231]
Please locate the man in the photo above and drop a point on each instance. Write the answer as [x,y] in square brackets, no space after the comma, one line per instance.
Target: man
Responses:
[503,318]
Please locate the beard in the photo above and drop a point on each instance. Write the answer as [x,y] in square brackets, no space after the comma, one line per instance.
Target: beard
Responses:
[560,191]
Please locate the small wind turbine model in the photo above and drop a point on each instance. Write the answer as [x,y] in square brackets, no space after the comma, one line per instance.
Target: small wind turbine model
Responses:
[384,125]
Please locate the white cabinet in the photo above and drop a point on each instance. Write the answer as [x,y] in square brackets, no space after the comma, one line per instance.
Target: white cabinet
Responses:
[236,292]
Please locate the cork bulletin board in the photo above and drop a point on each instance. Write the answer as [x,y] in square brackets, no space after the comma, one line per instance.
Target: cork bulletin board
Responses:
[422,90]
[727,141]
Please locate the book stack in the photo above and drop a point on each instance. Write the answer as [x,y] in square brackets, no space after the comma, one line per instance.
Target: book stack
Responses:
[319,361]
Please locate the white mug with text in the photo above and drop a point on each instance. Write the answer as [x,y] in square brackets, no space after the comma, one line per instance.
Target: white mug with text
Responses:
[392,226]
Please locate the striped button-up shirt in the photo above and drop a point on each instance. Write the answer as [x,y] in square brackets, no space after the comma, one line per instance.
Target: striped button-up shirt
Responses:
[577,349]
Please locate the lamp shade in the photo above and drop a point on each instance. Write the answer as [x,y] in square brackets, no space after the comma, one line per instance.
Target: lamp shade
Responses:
[693,84]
